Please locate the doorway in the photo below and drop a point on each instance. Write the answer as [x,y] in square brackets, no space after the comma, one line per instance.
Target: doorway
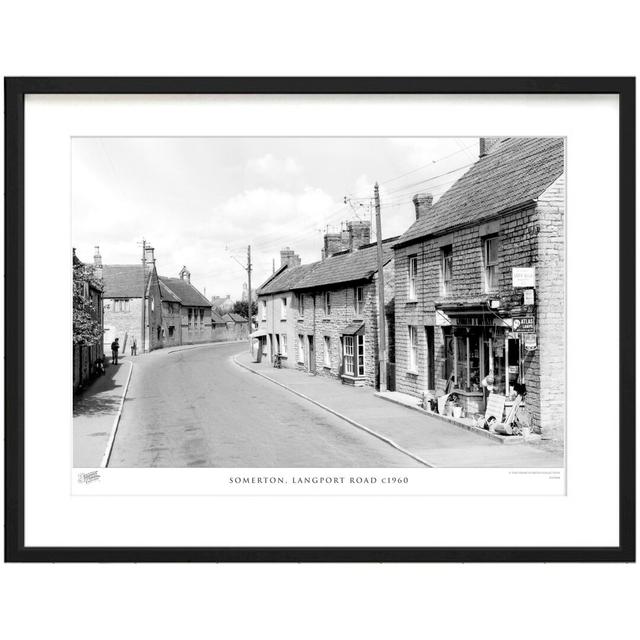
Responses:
[431,378]
[312,355]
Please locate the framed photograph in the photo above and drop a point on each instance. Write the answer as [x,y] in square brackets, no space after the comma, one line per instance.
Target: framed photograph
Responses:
[320,319]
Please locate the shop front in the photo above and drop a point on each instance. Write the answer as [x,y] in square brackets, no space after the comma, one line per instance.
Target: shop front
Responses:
[476,343]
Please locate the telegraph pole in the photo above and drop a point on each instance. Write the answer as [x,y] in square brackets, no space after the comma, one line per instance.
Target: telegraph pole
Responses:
[144,293]
[247,268]
[249,300]
[382,332]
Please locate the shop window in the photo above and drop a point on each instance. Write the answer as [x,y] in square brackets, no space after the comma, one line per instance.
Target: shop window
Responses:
[413,349]
[301,349]
[283,344]
[327,303]
[358,300]
[491,252]
[413,277]
[327,351]
[446,268]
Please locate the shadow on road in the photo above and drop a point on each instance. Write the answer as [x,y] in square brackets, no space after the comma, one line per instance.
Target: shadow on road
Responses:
[100,396]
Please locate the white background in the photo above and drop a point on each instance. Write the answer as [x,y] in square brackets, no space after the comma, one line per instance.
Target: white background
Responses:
[319,601]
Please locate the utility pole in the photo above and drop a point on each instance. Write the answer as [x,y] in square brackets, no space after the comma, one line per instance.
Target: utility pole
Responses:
[247,268]
[249,300]
[144,293]
[382,331]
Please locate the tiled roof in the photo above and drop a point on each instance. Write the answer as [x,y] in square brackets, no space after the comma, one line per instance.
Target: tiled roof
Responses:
[185,292]
[167,294]
[237,317]
[516,171]
[122,280]
[284,278]
[216,318]
[346,267]
[349,266]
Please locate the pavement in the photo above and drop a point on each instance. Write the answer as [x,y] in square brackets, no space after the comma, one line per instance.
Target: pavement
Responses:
[437,442]
[194,407]
[94,411]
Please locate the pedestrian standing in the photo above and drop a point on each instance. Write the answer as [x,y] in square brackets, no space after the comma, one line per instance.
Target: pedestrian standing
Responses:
[487,385]
[134,347]
[115,347]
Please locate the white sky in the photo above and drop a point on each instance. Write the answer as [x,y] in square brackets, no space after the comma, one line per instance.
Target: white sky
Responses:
[201,201]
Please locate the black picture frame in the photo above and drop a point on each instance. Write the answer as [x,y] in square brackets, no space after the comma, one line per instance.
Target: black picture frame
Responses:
[15,91]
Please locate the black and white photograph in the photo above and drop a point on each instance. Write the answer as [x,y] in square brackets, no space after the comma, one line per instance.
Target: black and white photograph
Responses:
[319,302]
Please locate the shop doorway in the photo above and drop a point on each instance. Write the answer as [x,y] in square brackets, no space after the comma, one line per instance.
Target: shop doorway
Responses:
[430,372]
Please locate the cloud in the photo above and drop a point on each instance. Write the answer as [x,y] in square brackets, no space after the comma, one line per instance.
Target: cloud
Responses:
[273,167]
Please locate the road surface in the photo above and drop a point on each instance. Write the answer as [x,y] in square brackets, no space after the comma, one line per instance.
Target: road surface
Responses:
[196,408]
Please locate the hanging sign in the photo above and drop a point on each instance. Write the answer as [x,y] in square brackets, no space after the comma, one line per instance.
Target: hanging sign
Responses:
[530,342]
[529,298]
[524,277]
[525,324]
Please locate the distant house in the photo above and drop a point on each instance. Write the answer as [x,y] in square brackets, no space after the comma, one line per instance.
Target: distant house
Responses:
[222,305]
[88,296]
[132,305]
[480,282]
[194,310]
[237,326]
[323,317]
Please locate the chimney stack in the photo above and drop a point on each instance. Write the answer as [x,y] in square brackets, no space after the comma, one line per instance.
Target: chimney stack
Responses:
[149,257]
[486,144]
[97,262]
[185,274]
[289,257]
[422,202]
[359,233]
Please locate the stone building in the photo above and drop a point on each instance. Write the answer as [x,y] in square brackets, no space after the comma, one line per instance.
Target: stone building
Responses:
[89,292]
[479,282]
[130,290]
[277,315]
[323,317]
[194,311]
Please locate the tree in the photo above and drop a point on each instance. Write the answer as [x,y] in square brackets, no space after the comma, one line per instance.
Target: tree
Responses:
[87,328]
[242,308]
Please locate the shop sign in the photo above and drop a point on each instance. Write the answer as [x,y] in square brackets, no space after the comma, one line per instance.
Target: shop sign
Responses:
[530,342]
[523,277]
[529,298]
[525,324]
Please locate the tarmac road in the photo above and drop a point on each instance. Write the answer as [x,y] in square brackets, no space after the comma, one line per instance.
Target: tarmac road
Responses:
[195,408]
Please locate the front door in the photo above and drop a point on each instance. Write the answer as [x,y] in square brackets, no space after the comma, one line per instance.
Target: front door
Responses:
[312,355]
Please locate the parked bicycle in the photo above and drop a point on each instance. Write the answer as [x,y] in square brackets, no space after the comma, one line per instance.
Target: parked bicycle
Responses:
[277,361]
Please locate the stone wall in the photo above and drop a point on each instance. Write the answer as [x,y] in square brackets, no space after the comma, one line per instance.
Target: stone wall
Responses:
[530,237]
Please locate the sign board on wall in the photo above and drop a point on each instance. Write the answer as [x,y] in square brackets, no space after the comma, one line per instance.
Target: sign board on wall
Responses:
[529,297]
[523,276]
[524,325]
[530,342]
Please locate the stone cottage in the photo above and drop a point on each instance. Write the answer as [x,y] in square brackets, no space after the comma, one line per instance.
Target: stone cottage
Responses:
[194,311]
[323,317]
[479,283]
[131,298]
